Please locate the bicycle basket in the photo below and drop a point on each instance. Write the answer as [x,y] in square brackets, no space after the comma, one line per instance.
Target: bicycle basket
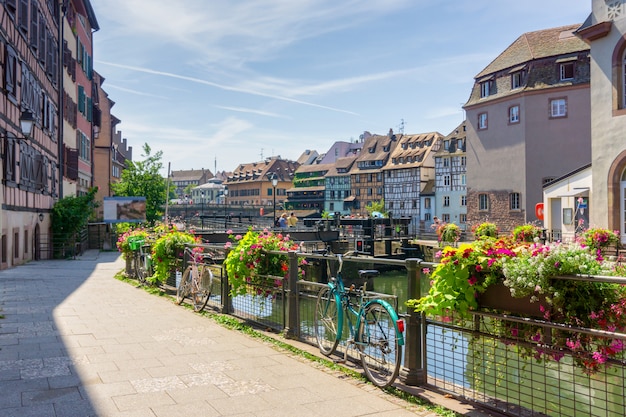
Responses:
[135,242]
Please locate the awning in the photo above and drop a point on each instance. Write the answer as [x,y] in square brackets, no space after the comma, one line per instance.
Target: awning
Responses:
[350,198]
[574,192]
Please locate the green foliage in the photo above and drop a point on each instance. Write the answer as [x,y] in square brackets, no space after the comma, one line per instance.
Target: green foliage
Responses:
[485,230]
[250,267]
[69,216]
[378,206]
[461,274]
[449,233]
[142,179]
[527,233]
[531,270]
[167,252]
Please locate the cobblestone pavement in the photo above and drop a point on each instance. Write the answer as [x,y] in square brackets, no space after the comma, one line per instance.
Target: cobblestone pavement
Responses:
[76,342]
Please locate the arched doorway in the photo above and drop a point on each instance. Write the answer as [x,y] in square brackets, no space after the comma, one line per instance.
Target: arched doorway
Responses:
[37,243]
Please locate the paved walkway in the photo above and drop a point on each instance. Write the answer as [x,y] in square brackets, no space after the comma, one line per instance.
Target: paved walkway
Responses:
[76,342]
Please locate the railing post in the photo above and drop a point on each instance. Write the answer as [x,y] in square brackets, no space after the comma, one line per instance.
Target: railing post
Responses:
[225,287]
[413,371]
[292,327]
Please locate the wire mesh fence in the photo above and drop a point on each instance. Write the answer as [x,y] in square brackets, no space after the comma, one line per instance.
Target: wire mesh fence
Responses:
[479,360]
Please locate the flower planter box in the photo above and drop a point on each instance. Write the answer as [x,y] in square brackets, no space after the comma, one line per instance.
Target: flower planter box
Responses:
[498,297]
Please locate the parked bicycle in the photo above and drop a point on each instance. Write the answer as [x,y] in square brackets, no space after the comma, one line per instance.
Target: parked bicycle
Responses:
[375,329]
[197,280]
[142,258]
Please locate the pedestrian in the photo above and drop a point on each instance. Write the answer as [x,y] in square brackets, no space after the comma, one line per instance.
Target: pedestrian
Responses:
[282,221]
[292,220]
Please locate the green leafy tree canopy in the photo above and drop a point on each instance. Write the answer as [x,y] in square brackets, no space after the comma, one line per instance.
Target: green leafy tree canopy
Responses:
[142,179]
[378,206]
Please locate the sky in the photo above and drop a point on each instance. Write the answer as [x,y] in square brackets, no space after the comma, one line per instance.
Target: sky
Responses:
[216,83]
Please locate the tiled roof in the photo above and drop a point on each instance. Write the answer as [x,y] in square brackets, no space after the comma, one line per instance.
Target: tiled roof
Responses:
[314,168]
[536,45]
[412,150]
[374,149]
[190,174]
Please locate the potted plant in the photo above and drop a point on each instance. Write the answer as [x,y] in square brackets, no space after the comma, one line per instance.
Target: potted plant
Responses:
[527,233]
[600,240]
[124,245]
[525,271]
[485,230]
[449,233]
[251,268]
[167,253]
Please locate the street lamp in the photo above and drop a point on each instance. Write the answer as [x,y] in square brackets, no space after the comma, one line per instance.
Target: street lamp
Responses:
[225,218]
[202,211]
[26,125]
[274,179]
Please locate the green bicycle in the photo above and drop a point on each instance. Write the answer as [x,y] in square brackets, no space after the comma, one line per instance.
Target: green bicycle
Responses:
[375,328]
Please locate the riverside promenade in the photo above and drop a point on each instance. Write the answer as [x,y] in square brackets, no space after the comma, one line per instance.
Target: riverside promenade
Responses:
[74,341]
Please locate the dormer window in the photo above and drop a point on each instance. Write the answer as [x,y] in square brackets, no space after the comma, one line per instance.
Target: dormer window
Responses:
[567,71]
[486,88]
[517,79]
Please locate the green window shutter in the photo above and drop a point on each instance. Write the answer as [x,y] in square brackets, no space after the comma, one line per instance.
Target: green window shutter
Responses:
[81,99]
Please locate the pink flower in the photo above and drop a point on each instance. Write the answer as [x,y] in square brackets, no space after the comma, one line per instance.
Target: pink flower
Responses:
[426,271]
[228,245]
[514,331]
[238,237]
[536,337]
[472,280]
[599,357]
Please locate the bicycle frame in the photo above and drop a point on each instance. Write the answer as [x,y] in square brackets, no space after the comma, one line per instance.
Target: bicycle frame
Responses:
[342,298]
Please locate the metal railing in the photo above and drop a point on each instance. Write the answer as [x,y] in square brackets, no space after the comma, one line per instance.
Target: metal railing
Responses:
[471,360]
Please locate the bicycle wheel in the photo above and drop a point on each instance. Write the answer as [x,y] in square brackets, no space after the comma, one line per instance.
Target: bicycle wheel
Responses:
[327,320]
[140,268]
[184,287]
[378,345]
[202,295]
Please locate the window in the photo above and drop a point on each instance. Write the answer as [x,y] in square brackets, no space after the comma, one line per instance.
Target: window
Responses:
[16,245]
[514,201]
[486,88]
[517,79]
[514,114]
[446,201]
[463,161]
[463,218]
[446,144]
[445,218]
[482,121]
[446,162]
[446,180]
[427,217]
[463,200]
[427,203]
[483,202]
[558,107]
[567,71]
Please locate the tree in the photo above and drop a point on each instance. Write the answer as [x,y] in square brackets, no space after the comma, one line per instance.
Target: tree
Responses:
[378,206]
[142,179]
[69,217]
